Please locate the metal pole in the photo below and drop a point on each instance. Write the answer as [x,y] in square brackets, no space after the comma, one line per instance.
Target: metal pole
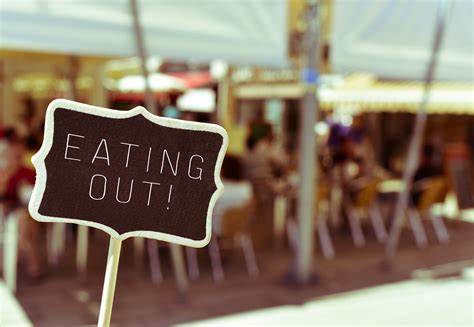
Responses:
[150,102]
[72,76]
[417,136]
[308,162]
[177,257]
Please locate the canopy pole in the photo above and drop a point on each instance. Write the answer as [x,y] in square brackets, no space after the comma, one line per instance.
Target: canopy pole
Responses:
[150,102]
[308,161]
[417,136]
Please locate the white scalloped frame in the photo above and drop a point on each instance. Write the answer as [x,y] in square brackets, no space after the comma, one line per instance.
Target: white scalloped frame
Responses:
[38,161]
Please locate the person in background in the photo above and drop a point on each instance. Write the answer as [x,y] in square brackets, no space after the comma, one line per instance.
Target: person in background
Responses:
[344,170]
[265,166]
[171,109]
[237,191]
[4,159]
[265,162]
[17,183]
[427,168]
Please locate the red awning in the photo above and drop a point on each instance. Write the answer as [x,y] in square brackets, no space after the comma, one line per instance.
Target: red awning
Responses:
[194,80]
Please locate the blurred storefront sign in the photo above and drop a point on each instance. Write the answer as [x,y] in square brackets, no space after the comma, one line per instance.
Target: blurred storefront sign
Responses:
[261,75]
[379,96]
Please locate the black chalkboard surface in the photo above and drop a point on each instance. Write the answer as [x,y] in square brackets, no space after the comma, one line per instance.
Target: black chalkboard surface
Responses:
[128,173]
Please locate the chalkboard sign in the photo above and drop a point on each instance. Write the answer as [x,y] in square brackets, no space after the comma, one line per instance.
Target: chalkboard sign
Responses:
[129,173]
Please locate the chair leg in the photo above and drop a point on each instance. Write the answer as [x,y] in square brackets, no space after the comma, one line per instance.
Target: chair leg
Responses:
[279,217]
[193,266]
[439,228]
[2,222]
[179,269]
[82,250]
[417,228]
[56,237]
[138,251]
[155,264]
[216,263]
[292,232]
[10,258]
[325,239]
[249,254]
[61,238]
[50,248]
[377,222]
[354,224]
[335,206]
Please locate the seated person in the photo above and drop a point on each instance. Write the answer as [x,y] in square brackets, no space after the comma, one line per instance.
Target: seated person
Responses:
[426,169]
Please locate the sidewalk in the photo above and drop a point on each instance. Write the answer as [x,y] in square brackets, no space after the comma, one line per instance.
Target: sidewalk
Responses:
[64,300]
[11,313]
[445,302]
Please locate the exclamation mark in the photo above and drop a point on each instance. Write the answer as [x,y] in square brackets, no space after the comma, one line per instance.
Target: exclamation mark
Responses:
[169,197]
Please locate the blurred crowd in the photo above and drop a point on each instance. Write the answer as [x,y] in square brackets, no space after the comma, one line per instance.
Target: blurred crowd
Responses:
[267,170]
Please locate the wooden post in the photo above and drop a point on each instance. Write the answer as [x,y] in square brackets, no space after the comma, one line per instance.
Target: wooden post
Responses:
[109,282]
[179,270]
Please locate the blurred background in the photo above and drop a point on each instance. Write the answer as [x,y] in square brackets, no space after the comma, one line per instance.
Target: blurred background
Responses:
[349,192]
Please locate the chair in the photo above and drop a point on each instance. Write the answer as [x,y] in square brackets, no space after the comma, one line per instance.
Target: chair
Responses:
[321,217]
[55,242]
[152,247]
[432,191]
[364,204]
[9,236]
[235,223]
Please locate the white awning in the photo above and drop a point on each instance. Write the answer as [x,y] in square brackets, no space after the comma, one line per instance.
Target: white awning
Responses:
[393,39]
[242,32]
[441,101]
[445,98]
[198,100]
[157,82]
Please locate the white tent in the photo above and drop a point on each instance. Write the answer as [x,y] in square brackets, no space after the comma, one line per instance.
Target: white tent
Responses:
[243,32]
[393,38]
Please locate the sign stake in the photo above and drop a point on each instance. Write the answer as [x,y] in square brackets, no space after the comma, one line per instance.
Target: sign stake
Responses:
[109,282]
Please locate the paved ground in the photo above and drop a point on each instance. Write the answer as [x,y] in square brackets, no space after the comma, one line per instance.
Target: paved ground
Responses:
[429,302]
[63,300]
[11,313]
